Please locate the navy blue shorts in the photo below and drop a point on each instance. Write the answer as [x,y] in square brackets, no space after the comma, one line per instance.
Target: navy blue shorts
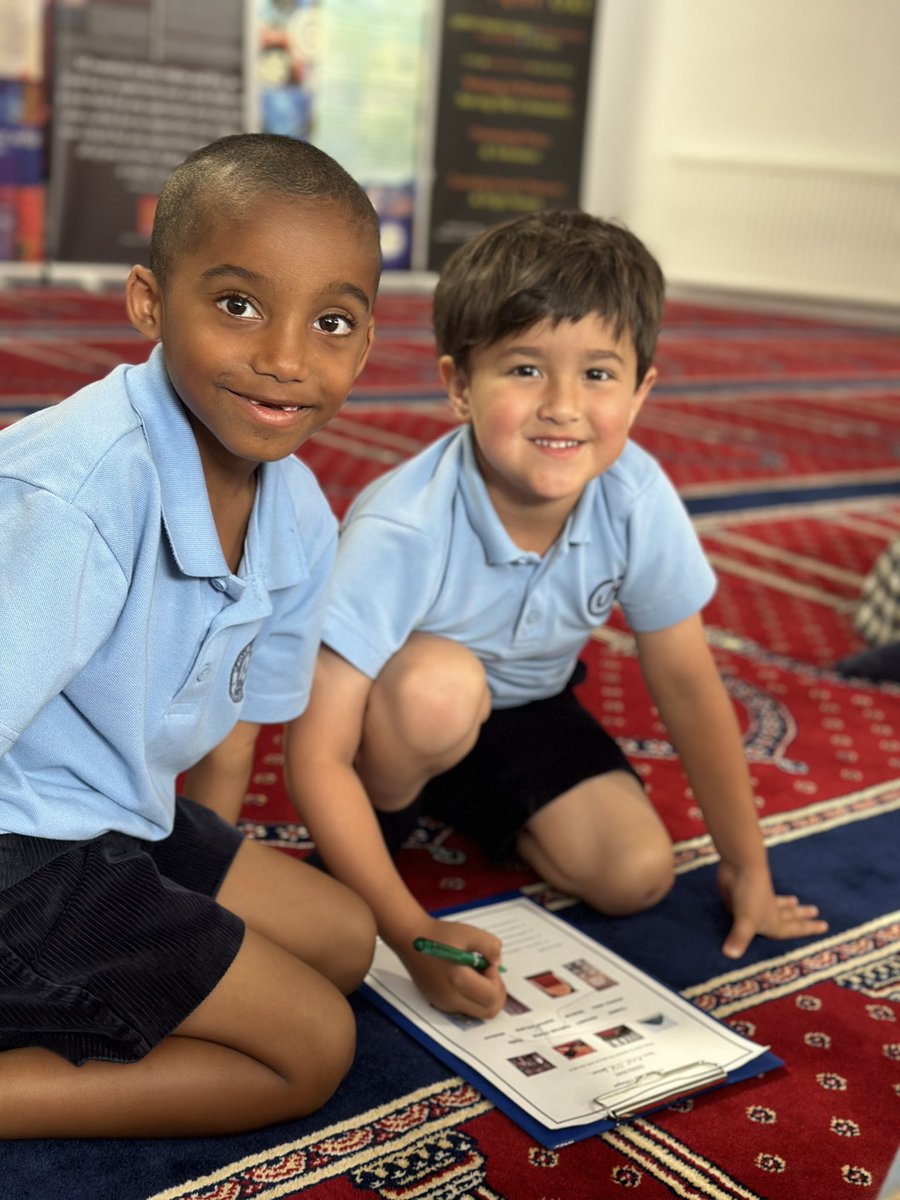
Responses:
[107,945]
[525,757]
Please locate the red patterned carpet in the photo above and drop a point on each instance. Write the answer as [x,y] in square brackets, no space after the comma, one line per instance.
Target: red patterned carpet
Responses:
[784,437]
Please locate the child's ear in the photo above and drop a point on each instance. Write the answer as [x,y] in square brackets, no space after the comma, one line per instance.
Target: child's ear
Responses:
[456,382]
[143,302]
[642,391]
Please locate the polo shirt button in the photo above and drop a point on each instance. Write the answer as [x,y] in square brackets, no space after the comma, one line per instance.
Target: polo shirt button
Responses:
[219,584]
[204,672]
[532,618]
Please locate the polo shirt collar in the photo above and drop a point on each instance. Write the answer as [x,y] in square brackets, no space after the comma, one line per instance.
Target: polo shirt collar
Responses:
[498,545]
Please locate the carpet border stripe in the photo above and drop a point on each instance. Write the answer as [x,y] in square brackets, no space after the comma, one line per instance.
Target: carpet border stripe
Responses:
[674,1164]
[803,968]
[194,1189]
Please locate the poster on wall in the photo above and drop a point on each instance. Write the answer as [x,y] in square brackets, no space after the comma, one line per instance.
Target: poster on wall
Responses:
[348,77]
[138,85]
[22,131]
[21,42]
[287,62]
[512,98]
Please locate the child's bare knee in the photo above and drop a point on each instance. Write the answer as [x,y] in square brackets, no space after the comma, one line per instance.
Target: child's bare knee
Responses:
[324,1056]
[639,882]
[356,945]
[654,878]
[336,1048]
[439,696]
[617,885]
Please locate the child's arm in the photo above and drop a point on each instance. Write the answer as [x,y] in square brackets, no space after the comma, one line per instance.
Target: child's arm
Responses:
[219,780]
[684,682]
[320,748]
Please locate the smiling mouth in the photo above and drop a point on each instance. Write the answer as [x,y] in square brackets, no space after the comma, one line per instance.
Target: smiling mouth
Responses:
[557,443]
[268,405]
[288,408]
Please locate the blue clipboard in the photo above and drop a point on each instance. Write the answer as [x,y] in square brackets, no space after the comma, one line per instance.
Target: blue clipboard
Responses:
[676,1086]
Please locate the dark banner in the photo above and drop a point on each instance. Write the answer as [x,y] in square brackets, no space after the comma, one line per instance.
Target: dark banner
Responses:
[511,107]
[138,85]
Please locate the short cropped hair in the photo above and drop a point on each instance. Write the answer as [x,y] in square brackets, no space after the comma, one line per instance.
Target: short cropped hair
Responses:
[229,175]
[556,265]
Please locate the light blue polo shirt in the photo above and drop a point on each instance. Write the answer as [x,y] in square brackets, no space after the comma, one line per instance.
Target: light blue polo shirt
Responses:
[130,649]
[422,549]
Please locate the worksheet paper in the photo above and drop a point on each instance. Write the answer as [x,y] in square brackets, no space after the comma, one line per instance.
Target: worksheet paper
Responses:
[585,1037]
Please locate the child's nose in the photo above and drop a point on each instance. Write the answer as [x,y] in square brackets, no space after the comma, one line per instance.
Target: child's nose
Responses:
[281,351]
[559,402]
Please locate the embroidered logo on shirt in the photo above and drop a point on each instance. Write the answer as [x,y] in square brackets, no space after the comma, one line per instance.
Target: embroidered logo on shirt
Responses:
[601,598]
[239,674]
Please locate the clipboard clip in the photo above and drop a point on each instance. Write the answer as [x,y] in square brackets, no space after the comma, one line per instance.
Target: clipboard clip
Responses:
[654,1088]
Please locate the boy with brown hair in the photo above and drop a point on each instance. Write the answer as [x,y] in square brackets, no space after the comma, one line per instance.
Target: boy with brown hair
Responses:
[467,582]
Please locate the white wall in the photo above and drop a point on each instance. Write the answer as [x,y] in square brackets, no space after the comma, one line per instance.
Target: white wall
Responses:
[754,144]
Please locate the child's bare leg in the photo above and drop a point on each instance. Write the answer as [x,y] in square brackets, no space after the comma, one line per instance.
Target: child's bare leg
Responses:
[424,714]
[270,1043]
[603,842]
[303,910]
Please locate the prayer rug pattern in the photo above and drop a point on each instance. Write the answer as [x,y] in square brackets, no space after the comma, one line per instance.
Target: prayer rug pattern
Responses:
[783,437]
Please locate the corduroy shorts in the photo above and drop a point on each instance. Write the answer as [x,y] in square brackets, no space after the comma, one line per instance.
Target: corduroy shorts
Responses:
[107,945]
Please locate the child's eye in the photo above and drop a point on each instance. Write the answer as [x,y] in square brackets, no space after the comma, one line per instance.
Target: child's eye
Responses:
[599,374]
[526,370]
[335,323]
[238,306]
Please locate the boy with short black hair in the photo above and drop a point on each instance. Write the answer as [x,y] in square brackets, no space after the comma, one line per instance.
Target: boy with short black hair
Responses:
[467,582]
[164,557]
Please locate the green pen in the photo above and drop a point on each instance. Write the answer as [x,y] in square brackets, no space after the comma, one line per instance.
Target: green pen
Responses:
[466,958]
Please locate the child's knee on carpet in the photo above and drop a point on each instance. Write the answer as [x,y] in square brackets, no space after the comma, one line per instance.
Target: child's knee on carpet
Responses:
[618,885]
[318,1076]
[603,843]
[631,884]
[315,1051]
[274,1009]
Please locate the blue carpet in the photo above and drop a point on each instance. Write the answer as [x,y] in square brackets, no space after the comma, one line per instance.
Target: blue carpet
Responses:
[851,872]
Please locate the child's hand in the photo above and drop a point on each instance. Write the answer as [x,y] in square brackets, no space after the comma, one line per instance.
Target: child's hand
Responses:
[756,909]
[452,987]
